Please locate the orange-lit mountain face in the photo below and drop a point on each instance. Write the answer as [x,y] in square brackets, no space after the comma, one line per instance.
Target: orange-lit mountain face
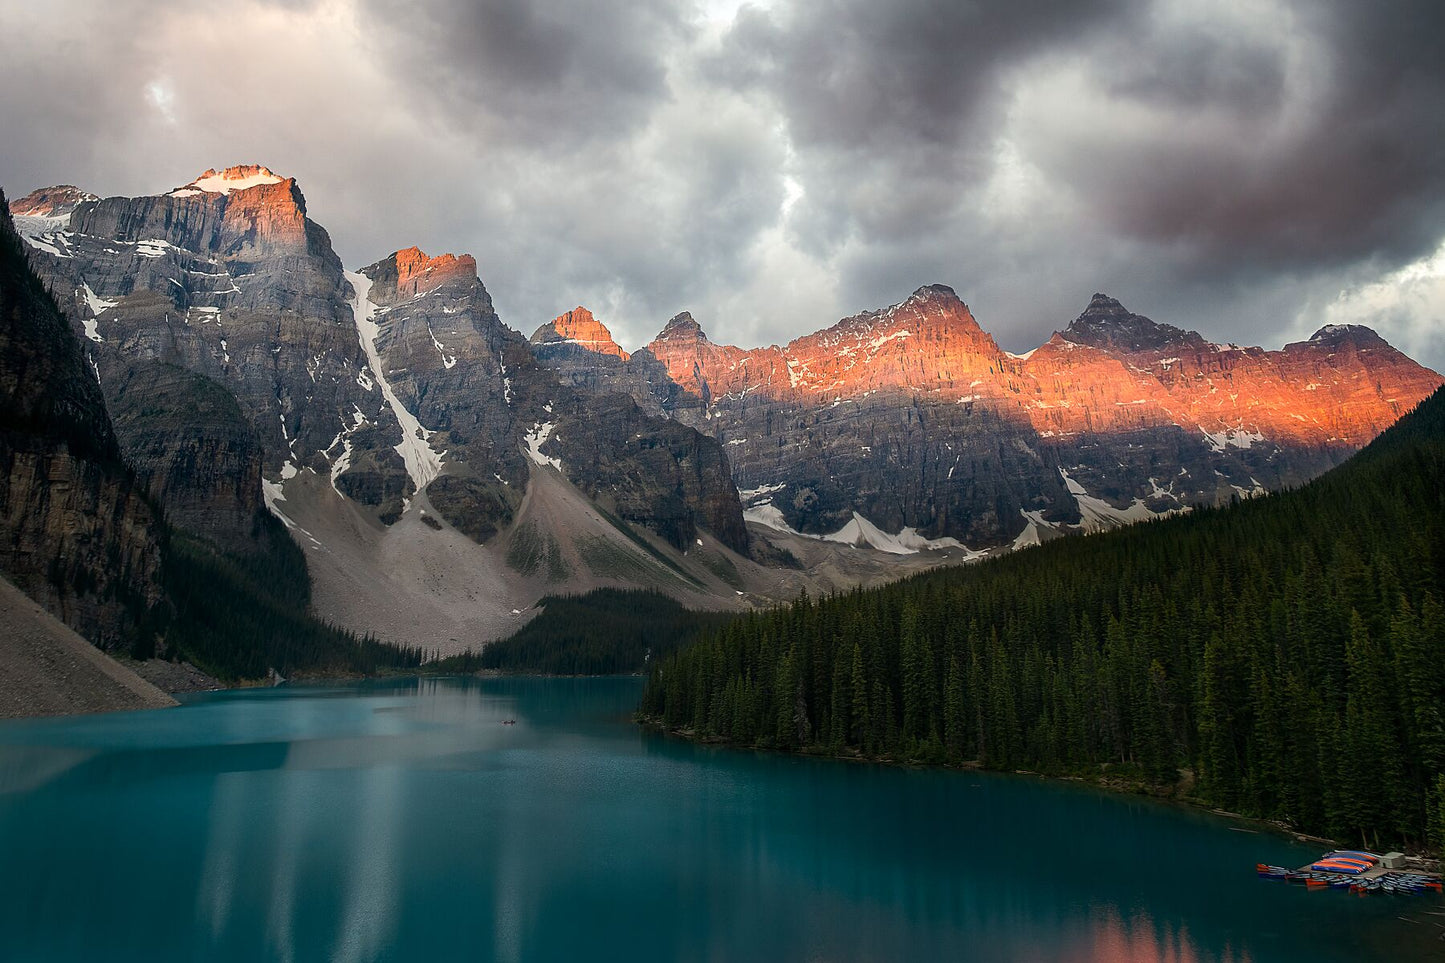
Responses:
[57,201]
[929,341]
[915,419]
[578,327]
[1108,371]
[1337,390]
[417,274]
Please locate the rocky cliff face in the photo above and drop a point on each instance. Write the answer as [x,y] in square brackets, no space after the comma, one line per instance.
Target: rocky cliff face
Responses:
[225,278]
[193,448]
[896,415]
[497,413]
[79,535]
[381,381]
[1336,391]
[914,419]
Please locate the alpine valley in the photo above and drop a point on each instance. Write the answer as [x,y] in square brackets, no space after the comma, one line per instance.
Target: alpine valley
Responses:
[443,473]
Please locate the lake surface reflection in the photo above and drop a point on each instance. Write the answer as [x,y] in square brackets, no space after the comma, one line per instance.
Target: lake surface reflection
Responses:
[405,821]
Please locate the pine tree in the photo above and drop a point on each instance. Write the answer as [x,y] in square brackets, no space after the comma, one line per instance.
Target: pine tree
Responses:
[953,711]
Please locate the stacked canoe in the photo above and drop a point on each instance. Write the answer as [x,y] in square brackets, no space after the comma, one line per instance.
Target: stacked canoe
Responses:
[1346,862]
[1347,869]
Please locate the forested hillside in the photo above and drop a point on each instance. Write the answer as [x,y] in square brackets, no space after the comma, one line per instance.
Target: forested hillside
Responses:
[240,615]
[604,632]
[1289,650]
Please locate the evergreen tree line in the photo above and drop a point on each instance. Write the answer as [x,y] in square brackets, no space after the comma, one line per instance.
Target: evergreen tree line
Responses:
[603,632]
[238,616]
[1287,651]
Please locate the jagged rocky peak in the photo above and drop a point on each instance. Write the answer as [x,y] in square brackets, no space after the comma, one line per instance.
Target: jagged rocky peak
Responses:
[243,213]
[1107,324]
[412,273]
[930,303]
[1359,335]
[58,201]
[239,178]
[681,328]
[579,327]
[933,316]
[416,270]
[936,293]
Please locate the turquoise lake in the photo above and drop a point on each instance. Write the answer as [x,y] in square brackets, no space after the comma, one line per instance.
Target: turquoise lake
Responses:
[404,821]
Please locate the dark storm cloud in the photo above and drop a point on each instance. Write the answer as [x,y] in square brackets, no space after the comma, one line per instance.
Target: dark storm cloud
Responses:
[540,71]
[608,178]
[1202,70]
[893,106]
[1352,169]
[1230,165]
[1234,156]
[890,77]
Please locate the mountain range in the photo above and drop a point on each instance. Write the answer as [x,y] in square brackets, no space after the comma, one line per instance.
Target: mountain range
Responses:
[443,473]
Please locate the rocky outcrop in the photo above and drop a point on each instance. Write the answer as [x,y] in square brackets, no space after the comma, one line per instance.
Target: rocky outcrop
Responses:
[579,350]
[577,329]
[452,363]
[59,201]
[651,471]
[493,413]
[80,537]
[479,508]
[1108,325]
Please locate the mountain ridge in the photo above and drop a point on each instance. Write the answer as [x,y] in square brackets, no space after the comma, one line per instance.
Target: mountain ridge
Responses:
[1117,417]
[905,430]
[396,386]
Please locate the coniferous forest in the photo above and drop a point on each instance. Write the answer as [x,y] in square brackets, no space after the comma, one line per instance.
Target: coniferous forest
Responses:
[1283,657]
[604,632]
[239,616]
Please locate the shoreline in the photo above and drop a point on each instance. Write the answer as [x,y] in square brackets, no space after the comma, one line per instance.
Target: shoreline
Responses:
[1114,786]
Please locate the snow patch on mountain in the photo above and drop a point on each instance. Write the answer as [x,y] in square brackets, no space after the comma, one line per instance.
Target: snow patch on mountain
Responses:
[862,533]
[1232,438]
[34,225]
[448,360]
[45,233]
[1033,531]
[1098,514]
[97,305]
[535,439]
[423,462]
[226,181]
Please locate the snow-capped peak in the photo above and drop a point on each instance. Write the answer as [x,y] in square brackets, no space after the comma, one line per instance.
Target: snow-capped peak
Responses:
[58,201]
[231,179]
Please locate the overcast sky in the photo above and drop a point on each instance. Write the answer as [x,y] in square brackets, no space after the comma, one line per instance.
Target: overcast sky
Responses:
[1251,169]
